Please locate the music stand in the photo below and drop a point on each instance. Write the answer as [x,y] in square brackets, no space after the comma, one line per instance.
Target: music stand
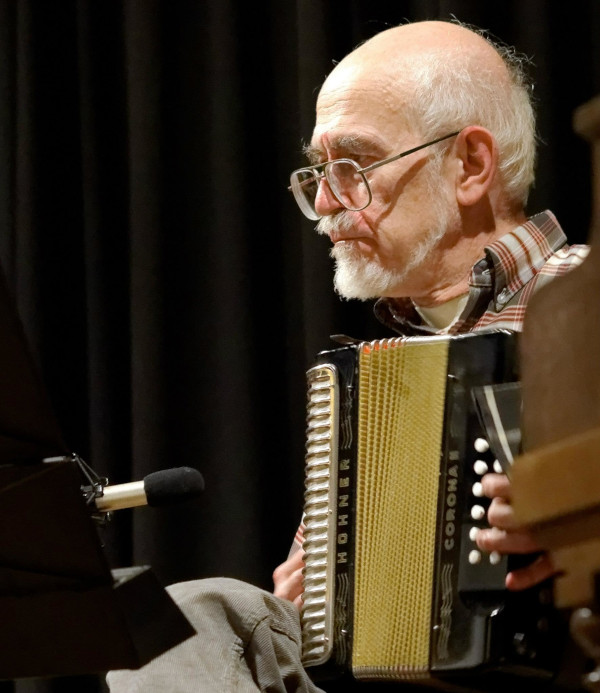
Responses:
[63,611]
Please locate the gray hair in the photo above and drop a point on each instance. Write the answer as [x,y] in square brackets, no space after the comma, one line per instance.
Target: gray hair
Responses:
[450,91]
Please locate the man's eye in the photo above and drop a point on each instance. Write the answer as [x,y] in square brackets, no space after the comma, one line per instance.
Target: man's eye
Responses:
[360,159]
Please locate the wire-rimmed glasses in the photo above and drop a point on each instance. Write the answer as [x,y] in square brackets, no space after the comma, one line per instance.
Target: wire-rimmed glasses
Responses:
[346,180]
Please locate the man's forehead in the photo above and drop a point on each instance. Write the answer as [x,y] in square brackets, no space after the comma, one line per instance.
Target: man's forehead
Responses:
[359,129]
[359,107]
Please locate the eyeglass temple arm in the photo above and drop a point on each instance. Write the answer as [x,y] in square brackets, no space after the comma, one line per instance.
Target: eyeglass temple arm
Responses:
[410,151]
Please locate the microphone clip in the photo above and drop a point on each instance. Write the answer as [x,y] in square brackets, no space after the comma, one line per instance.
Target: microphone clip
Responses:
[92,488]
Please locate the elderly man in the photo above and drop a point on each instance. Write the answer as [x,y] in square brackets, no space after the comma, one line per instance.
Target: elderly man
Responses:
[421,160]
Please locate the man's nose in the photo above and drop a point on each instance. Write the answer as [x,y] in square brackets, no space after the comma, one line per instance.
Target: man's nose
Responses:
[326,202]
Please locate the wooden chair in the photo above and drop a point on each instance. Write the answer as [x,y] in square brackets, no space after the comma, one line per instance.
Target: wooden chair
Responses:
[556,481]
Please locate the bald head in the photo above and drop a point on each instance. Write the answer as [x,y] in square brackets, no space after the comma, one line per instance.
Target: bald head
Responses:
[394,51]
[439,76]
[424,37]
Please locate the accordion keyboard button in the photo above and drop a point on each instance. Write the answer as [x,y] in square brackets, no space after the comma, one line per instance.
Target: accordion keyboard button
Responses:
[480,467]
[474,557]
[477,571]
[478,512]
[477,490]
[481,445]
[495,558]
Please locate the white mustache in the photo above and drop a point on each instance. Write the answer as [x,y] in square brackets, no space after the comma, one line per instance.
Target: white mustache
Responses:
[342,221]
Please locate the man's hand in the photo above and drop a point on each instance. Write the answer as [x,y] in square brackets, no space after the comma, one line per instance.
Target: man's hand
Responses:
[287,578]
[505,538]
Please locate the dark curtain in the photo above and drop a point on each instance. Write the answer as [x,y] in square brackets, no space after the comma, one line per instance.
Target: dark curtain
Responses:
[171,292]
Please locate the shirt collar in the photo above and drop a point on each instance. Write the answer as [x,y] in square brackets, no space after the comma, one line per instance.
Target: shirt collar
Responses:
[508,264]
[520,254]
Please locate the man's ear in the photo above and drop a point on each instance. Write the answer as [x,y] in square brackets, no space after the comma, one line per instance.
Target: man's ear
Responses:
[477,154]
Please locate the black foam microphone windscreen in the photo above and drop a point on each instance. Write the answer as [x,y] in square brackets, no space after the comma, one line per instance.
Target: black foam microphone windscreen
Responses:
[170,486]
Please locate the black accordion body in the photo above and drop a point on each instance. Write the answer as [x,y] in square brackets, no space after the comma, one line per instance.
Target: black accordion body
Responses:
[394,586]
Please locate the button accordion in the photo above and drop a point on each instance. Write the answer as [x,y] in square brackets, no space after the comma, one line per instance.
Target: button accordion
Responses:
[394,585]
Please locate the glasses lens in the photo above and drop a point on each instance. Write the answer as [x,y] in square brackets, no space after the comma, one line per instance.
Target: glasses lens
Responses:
[305,187]
[348,184]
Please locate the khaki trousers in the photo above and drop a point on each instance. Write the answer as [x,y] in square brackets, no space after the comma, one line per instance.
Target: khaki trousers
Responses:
[247,640]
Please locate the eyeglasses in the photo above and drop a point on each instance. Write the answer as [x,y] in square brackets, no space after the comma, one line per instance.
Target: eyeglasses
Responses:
[345,178]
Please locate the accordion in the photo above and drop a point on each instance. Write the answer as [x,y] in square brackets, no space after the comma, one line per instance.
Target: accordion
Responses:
[394,585]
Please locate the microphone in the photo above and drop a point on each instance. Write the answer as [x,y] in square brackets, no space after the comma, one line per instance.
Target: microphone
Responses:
[164,487]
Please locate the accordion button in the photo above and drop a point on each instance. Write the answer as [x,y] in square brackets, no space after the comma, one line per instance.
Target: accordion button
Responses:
[498,467]
[495,558]
[474,557]
[478,512]
[473,532]
[480,467]
[481,445]
[477,490]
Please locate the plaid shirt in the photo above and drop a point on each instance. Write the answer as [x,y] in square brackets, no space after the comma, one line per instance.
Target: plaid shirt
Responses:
[501,284]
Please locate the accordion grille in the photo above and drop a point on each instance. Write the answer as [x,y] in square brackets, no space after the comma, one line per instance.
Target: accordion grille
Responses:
[401,410]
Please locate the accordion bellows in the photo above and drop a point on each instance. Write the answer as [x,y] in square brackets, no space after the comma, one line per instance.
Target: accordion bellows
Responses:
[399,477]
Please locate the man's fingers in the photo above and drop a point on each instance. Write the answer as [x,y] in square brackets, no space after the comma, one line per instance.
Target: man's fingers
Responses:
[505,537]
[496,485]
[287,578]
[291,587]
[291,565]
[500,514]
[495,539]
[538,571]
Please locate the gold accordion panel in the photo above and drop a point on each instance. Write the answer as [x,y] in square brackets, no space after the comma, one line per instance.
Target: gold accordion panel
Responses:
[400,421]
[394,588]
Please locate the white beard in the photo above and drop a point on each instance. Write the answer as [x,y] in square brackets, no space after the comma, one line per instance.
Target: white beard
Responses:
[363,278]
[357,276]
